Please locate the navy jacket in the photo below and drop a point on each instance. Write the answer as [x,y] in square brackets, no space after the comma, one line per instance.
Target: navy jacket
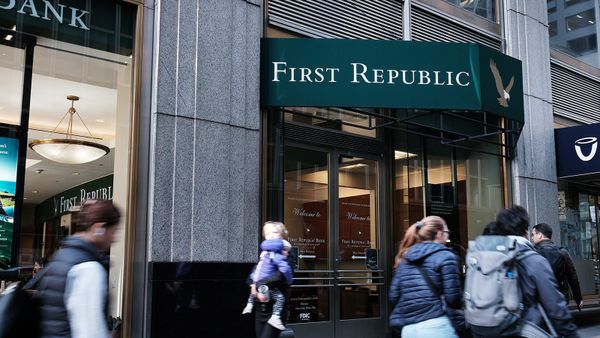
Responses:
[410,295]
[538,285]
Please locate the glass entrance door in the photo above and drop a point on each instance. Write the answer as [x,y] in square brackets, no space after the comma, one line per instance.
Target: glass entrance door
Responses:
[331,209]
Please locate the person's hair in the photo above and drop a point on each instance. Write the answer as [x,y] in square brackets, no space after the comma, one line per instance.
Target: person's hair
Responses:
[489,229]
[278,226]
[512,221]
[544,229]
[423,230]
[96,211]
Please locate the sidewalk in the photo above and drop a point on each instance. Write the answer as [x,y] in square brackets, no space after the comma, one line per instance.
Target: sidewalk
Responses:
[592,331]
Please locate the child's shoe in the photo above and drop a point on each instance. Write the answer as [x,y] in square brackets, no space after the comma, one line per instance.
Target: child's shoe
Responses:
[247,309]
[275,321]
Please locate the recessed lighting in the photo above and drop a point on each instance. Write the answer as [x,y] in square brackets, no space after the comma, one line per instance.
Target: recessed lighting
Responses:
[591,22]
[76,173]
[100,120]
[14,28]
[24,198]
[578,16]
[8,37]
[34,191]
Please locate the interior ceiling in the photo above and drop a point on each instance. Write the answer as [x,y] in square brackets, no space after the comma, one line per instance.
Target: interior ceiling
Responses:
[57,74]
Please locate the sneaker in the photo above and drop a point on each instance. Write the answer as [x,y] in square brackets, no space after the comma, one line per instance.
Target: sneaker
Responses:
[275,321]
[247,309]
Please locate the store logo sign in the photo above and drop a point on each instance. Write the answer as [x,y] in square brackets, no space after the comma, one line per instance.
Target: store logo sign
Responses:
[585,141]
[502,91]
[45,10]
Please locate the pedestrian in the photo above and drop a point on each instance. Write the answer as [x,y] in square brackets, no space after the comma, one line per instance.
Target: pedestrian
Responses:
[560,261]
[536,279]
[418,310]
[270,280]
[74,288]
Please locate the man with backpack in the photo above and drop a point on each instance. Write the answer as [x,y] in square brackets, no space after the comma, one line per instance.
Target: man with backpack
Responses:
[510,290]
[562,265]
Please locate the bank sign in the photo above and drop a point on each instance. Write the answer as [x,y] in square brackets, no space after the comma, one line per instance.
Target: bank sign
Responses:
[577,150]
[390,74]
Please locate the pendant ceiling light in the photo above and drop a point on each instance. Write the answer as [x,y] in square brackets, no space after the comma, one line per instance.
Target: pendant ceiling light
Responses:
[68,150]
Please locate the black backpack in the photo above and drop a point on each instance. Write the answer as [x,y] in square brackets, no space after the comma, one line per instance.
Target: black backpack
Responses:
[20,314]
[556,258]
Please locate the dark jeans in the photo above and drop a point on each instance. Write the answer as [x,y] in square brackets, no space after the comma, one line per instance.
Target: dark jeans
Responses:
[262,313]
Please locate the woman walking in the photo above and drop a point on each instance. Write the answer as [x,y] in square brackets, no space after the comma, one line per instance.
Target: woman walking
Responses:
[423,263]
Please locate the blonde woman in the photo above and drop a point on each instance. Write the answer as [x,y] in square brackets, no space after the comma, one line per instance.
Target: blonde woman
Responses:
[424,263]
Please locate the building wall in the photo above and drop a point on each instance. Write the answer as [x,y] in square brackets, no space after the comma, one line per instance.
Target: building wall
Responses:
[534,166]
[204,166]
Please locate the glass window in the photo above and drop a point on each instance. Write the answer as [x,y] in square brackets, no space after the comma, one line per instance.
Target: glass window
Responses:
[573,29]
[574,2]
[552,28]
[352,121]
[77,139]
[483,8]
[551,6]
[586,44]
[580,20]
[578,220]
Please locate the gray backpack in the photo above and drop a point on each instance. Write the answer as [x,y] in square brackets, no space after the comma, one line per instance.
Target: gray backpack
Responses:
[492,294]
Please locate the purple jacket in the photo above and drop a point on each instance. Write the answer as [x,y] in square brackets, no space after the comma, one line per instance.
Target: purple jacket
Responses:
[272,260]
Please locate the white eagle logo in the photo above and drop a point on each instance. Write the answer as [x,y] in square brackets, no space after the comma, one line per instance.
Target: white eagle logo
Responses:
[503,92]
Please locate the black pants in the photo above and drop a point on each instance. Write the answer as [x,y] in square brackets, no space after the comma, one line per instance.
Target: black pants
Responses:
[262,313]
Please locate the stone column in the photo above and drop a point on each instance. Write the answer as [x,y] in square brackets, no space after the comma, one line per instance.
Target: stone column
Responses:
[204,190]
[534,182]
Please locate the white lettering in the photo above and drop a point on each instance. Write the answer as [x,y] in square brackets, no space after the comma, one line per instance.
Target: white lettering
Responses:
[276,70]
[10,5]
[462,84]
[332,73]
[437,78]
[424,75]
[392,75]
[59,17]
[319,74]
[305,75]
[31,6]
[362,74]
[377,75]
[77,18]
[404,77]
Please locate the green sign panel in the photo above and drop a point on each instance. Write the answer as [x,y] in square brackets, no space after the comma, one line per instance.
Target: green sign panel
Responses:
[390,74]
[99,189]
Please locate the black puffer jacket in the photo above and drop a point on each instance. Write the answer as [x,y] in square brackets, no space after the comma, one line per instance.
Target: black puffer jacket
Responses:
[538,285]
[413,299]
[55,320]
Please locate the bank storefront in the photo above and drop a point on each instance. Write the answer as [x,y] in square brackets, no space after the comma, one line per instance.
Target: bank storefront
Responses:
[578,171]
[67,127]
[362,139]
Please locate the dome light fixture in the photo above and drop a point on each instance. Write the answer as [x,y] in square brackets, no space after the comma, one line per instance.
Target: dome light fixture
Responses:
[68,150]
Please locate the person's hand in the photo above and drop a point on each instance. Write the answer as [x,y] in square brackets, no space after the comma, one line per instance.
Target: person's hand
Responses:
[253,290]
[261,298]
[579,305]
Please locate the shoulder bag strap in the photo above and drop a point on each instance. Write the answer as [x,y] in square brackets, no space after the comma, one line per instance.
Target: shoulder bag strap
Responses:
[427,279]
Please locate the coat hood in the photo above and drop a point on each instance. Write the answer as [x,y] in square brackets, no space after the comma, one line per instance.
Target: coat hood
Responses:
[275,245]
[421,250]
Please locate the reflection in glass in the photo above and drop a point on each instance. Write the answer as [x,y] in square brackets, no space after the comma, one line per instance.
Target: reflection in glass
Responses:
[12,63]
[573,29]
[359,296]
[578,218]
[483,8]
[347,120]
[306,218]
